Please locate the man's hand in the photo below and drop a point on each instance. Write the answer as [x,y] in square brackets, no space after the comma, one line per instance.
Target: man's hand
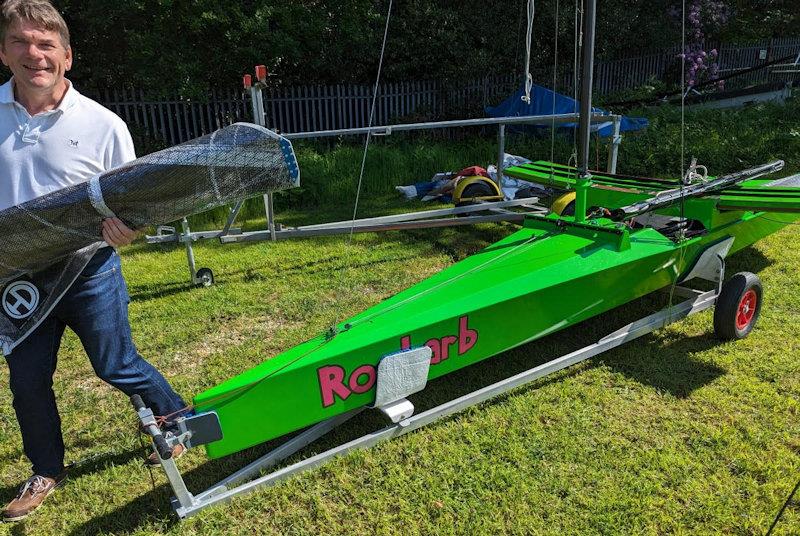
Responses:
[116,233]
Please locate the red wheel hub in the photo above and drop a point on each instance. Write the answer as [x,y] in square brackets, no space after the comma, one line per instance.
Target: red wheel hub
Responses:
[747,309]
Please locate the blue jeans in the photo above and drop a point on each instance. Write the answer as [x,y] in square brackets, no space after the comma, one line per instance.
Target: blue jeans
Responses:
[424,188]
[96,309]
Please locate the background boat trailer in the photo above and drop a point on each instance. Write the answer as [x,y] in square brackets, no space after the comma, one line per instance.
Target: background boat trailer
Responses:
[391,400]
[414,220]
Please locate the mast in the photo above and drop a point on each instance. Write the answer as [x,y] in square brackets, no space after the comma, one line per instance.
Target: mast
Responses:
[587,68]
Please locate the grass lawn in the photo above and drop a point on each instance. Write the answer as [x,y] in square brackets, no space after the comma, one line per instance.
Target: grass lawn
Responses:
[672,434]
[675,433]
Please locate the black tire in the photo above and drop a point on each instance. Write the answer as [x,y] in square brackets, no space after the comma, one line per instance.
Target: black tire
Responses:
[738,306]
[569,210]
[476,189]
[205,277]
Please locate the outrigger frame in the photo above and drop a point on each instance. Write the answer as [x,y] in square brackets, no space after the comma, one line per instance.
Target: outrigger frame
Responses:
[275,231]
[710,267]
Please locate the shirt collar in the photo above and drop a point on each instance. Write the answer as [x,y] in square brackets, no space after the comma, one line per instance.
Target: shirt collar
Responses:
[7,92]
[69,100]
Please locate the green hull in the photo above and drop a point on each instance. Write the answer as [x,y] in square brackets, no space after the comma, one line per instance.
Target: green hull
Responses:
[541,279]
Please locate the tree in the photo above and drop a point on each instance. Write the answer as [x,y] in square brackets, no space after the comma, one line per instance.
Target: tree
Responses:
[185,47]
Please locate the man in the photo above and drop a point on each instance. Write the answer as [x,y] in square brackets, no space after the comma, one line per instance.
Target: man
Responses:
[51,137]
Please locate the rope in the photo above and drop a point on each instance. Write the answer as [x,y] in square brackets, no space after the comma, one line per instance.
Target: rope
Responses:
[517,40]
[147,453]
[528,39]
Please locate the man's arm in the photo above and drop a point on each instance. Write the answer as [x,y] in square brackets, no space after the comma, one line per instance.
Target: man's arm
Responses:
[120,151]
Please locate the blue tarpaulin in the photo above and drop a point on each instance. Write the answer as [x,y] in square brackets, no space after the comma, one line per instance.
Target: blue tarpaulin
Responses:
[542,104]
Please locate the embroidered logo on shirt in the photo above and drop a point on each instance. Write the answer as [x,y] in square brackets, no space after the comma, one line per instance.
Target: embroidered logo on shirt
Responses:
[73,143]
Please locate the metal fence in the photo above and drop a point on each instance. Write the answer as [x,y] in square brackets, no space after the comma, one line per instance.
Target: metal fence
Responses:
[308,108]
[176,120]
[617,75]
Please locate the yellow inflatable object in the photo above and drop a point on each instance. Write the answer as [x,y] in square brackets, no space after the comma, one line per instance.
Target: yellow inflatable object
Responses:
[476,188]
[561,202]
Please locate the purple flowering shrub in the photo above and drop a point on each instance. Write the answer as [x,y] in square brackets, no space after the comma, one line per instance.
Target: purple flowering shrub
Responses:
[703,18]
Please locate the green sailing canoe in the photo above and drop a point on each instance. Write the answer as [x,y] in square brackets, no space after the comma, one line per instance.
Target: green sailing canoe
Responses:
[545,277]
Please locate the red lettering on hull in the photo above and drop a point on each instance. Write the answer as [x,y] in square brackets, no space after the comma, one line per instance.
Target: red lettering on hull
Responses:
[331,384]
[335,383]
[466,337]
[440,346]
[363,370]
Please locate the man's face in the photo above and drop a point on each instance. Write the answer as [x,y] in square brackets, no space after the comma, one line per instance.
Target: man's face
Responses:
[37,57]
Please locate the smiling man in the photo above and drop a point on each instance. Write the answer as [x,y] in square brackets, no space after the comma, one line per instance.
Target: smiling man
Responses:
[51,137]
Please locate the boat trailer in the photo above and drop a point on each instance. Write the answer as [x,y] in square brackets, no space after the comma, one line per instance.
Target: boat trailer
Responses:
[398,376]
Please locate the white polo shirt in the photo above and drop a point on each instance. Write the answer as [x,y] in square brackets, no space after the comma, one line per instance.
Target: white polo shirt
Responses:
[57,148]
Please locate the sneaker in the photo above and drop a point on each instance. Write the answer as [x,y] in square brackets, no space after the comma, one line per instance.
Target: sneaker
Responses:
[32,494]
[177,451]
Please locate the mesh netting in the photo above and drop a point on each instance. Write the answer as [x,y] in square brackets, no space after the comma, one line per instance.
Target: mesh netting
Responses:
[239,161]
[50,239]
[792,181]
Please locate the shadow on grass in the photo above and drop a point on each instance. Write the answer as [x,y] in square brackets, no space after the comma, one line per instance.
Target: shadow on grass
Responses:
[250,274]
[748,259]
[128,518]
[669,367]
[457,246]
[164,290]
[93,464]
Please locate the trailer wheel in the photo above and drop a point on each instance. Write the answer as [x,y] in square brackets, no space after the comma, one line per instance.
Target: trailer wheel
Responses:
[469,193]
[564,205]
[204,277]
[738,306]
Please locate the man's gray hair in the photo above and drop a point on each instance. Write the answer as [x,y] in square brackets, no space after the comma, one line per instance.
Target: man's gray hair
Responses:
[40,12]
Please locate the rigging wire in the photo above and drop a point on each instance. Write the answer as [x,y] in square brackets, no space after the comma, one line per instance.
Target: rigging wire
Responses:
[681,233]
[370,122]
[348,247]
[348,255]
[246,387]
[333,330]
[553,109]
[779,221]
[528,39]
[446,282]
[578,42]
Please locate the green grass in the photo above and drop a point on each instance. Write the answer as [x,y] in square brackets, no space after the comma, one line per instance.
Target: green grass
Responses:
[675,433]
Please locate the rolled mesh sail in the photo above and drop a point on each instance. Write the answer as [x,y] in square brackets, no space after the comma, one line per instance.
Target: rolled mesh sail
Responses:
[237,162]
[48,241]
